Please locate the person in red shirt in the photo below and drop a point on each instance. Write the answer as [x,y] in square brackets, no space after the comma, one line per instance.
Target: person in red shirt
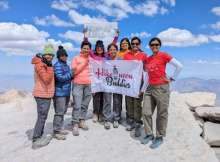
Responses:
[158,92]
[133,105]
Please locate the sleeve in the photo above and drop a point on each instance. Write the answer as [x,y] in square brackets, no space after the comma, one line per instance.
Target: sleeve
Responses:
[178,67]
[167,58]
[115,40]
[45,73]
[60,76]
[145,83]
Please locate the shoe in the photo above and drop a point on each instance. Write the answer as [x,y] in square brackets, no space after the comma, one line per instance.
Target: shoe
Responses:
[137,132]
[41,142]
[75,131]
[147,139]
[156,142]
[63,132]
[59,136]
[95,118]
[115,124]
[82,124]
[130,126]
[107,125]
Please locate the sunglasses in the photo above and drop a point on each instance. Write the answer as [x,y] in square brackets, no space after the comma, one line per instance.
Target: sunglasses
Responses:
[154,45]
[135,44]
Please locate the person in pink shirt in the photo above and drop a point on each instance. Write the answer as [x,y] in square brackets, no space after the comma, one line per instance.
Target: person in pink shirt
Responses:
[81,88]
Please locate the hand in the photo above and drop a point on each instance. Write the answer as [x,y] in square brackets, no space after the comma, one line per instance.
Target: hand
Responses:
[171,79]
[141,94]
[117,32]
[85,30]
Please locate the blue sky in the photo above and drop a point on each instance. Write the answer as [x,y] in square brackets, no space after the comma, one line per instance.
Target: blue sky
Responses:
[189,31]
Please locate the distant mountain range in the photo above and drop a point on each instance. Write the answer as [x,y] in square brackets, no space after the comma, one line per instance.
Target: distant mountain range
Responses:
[25,82]
[197,84]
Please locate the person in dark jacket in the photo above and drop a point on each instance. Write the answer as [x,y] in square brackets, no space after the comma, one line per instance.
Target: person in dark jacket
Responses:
[63,77]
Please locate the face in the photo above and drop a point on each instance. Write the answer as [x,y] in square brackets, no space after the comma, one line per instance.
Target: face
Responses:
[48,57]
[85,49]
[135,44]
[124,45]
[99,50]
[63,58]
[155,46]
[112,51]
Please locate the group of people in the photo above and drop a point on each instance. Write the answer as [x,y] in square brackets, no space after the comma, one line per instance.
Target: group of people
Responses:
[54,82]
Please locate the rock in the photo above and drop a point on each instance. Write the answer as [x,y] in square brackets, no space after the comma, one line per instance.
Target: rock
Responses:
[199,120]
[11,96]
[182,143]
[212,133]
[199,99]
[208,113]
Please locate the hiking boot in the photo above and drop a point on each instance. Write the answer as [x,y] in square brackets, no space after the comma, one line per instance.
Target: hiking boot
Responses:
[95,118]
[63,132]
[107,125]
[137,132]
[75,131]
[59,136]
[147,139]
[82,124]
[41,142]
[115,124]
[156,142]
[130,126]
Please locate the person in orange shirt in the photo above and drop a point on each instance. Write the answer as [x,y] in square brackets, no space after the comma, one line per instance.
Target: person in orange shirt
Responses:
[43,93]
[81,88]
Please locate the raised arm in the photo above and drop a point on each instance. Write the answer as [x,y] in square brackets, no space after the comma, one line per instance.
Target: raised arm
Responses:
[115,40]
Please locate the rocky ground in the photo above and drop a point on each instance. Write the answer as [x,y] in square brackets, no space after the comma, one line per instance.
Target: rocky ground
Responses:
[18,114]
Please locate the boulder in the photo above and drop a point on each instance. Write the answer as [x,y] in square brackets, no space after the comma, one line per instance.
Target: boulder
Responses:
[208,113]
[199,99]
[12,95]
[211,133]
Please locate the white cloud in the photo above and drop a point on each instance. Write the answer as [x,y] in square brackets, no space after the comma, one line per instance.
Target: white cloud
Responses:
[73,35]
[24,39]
[216,25]
[52,20]
[150,8]
[64,5]
[216,11]
[4,5]
[172,3]
[181,38]
[141,34]
[200,61]
[118,9]
[79,19]
[215,38]
[163,10]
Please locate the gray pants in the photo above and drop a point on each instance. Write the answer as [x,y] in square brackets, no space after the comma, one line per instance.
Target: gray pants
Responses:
[43,106]
[107,100]
[117,106]
[156,96]
[82,97]
[60,107]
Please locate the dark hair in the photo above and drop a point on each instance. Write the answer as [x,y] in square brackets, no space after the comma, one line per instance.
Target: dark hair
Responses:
[114,45]
[99,43]
[127,40]
[86,43]
[136,38]
[155,39]
[61,52]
